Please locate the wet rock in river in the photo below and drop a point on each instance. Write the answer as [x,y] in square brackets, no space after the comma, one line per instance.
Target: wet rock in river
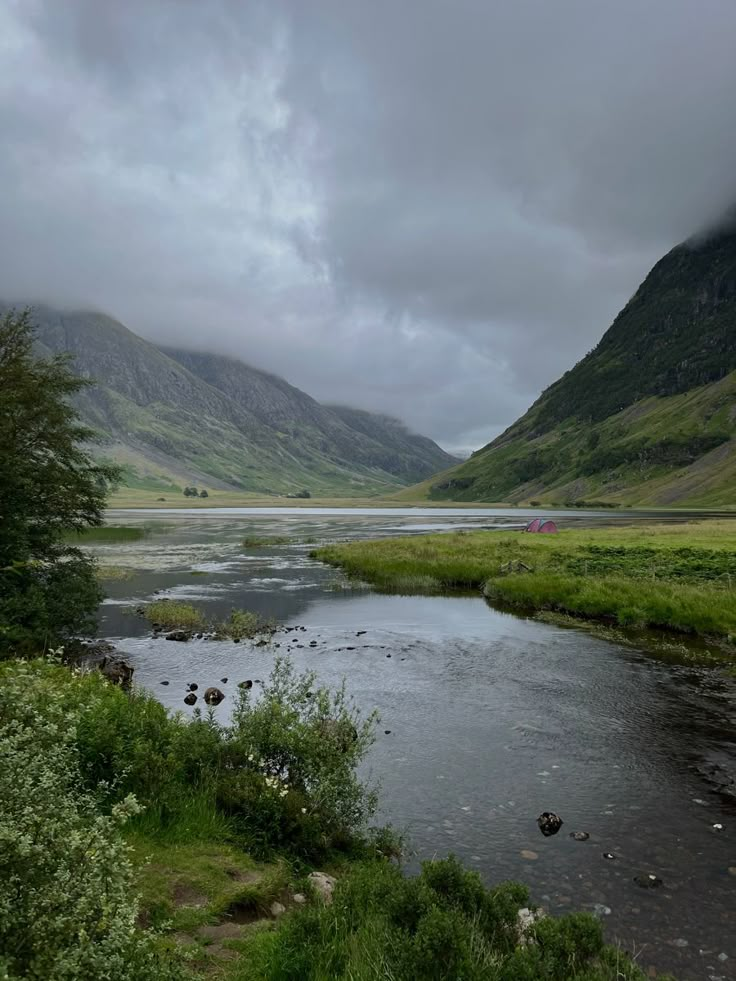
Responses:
[245,684]
[549,823]
[180,635]
[190,699]
[650,881]
[192,686]
[579,835]
[223,681]
[609,856]
[164,682]
[213,696]
[360,633]
[117,670]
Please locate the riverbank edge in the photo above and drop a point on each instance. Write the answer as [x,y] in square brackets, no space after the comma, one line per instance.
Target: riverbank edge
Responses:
[205,907]
[527,575]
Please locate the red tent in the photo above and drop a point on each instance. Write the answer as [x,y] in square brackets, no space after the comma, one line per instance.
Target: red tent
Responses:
[540,525]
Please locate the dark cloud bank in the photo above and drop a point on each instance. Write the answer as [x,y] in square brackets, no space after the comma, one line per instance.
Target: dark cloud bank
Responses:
[431,208]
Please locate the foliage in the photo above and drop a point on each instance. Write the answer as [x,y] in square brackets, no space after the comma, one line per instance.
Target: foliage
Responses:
[49,485]
[191,492]
[67,901]
[244,624]
[292,758]
[173,615]
[439,925]
[282,774]
[676,577]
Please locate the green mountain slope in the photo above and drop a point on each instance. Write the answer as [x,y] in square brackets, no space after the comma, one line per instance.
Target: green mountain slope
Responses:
[647,417]
[173,418]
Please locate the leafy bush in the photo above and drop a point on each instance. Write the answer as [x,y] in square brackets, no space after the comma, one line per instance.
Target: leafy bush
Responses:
[290,762]
[281,775]
[441,924]
[67,900]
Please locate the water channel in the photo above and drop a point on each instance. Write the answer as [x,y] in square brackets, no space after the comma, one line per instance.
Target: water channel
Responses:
[487,718]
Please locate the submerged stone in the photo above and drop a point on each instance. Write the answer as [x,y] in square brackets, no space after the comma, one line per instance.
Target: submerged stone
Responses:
[213,696]
[579,835]
[650,881]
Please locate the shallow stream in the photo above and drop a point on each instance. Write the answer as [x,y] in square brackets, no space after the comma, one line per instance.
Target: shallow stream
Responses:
[487,719]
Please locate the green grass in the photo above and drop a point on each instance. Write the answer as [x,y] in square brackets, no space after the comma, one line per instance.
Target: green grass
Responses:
[172,615]
[439,926]
[106,533]
[114,573]
[243,624]
[678,578]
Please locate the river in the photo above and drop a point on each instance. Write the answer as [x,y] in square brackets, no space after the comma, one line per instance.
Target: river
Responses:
[487,719]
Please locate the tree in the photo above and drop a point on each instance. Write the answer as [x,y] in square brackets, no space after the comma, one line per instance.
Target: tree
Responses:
[203,493]
[50,487]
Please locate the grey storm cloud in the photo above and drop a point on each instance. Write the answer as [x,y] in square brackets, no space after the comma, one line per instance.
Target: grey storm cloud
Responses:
[430,208]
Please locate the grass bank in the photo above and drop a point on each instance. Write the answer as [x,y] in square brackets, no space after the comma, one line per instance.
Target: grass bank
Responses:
[678,577]
[145,846]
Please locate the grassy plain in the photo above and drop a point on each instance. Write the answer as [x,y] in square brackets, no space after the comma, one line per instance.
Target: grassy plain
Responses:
[676,577]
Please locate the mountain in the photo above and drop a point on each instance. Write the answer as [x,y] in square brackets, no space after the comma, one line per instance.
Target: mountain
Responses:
[647,417]
[174,417]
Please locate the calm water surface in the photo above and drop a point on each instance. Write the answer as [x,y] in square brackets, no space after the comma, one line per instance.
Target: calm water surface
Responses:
[487,719]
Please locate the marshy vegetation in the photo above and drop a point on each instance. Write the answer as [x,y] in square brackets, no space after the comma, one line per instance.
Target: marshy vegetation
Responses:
[167,614]
[678,577]
[106,533]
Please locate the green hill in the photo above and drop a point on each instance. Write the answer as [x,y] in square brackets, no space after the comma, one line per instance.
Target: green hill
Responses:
[176,417]
[647,417]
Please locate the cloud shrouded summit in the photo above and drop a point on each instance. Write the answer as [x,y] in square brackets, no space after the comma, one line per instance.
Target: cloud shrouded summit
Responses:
[426,208]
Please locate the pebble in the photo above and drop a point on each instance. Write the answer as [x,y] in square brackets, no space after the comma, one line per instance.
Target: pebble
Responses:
[579,835]
[680,942]
[164,682]
[609,855]
[600,910]
[299,898]
[387,732]
[277,909]
[528,854]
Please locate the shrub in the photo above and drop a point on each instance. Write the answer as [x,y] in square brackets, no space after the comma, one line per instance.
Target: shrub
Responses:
[67,900]
[281,775]
[290,763]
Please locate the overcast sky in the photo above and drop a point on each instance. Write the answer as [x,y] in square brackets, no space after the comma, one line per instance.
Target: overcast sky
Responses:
[425,207]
